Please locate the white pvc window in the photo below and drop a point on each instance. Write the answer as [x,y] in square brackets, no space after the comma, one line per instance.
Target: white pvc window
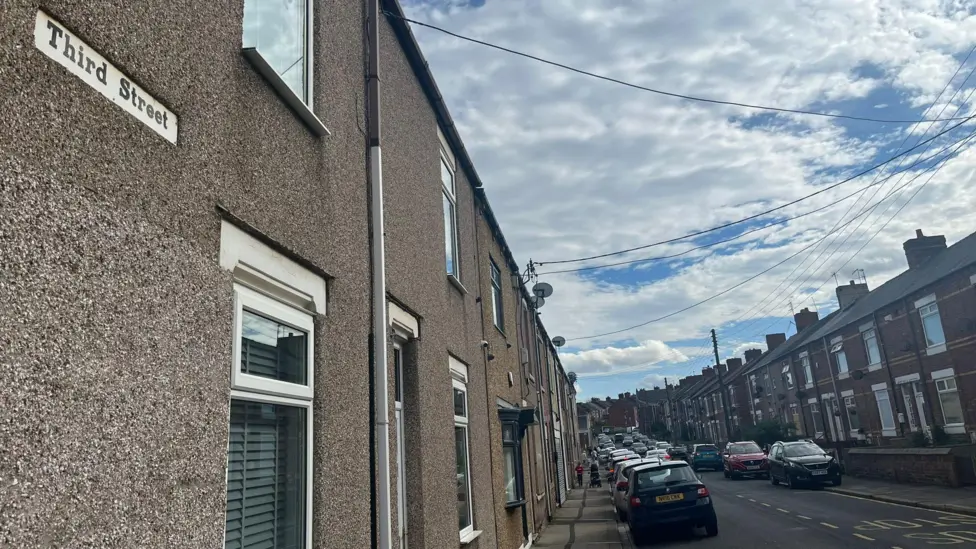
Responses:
[449,189]
[871,348]
[462,451]
[884,409]
[281,31]
[840,359]
[497,305]
[851,405]
[949,401]
[807,372]
[932,325]
[269,453]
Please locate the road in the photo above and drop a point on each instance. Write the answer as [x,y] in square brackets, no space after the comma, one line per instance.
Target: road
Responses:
[754,513]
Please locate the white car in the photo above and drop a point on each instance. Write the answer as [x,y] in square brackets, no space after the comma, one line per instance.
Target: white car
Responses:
[659,454]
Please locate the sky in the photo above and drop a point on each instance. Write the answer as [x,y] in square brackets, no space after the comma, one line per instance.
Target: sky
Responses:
[576,166]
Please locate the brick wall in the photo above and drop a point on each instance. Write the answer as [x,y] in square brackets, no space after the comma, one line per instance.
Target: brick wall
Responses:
[932,466]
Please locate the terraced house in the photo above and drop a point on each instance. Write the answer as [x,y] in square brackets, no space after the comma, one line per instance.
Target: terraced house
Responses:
[891,366]
[204,259]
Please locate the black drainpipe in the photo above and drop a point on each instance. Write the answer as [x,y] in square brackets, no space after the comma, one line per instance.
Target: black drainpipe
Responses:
[886,364]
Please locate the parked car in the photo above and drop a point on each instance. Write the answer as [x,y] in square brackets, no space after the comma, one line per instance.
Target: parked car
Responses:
[678,452]
[614,461]
[621,483]
[667,494]
[706,456]
[744,459]
[628,441]
[618,438]
[795,463]
[662,455]
[639,448]
[603,455]
[663,445]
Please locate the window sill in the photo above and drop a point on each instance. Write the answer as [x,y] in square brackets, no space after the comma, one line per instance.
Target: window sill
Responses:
[457,284]
[297,106]
[500,331]
[470,536]
[936,349]
[808,386]
[889,433]
[874,367]
[843,375]
[514,504]
[955,428]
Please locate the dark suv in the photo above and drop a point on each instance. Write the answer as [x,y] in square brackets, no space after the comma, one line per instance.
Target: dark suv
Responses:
[794,463]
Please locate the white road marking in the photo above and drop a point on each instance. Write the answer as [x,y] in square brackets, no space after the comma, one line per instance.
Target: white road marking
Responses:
[782,510]
[828,525]
[804,518]
[766,505]
[739,496]
[752,500]
[862,536]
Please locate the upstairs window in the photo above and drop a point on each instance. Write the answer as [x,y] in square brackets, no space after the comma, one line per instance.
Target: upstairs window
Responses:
[280,31]
[840,359]
[932,325]
[871,348]
[449,190]
[807,372]
[497,311]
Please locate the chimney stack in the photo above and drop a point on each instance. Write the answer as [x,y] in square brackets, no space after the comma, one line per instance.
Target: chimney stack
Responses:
[733,363]
[775,340]
[846,295]
[920,249]
[805,318]
[620,396]
[627,395]
[753,354]
[708,372]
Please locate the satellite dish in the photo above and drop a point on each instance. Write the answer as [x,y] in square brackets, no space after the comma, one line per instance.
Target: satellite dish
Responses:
[857,374]
[538,302]
[542,289]
[559,341]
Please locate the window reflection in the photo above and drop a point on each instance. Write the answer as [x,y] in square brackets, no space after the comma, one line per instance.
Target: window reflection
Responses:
[277,28]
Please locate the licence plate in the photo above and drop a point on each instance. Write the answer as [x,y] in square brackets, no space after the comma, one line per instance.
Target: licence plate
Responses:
[752,467]
[669,497]
[820,472]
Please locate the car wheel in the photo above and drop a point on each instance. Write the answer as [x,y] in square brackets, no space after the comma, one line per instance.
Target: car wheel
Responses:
[711,529]
[837,482]
[789,482]
[766,476]
[621,516]
[725,473]
[773,480]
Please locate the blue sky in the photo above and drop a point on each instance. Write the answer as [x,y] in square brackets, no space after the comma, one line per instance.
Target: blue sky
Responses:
[576,166]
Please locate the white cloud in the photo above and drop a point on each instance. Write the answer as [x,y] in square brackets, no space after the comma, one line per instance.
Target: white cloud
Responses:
[655,380]
[613,360]
[575,166]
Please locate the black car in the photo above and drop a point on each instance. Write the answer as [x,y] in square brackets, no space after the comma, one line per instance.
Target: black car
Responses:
[794,463]
[678,452]
[665,495]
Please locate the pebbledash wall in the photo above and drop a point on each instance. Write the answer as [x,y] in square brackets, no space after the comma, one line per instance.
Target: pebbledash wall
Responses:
[184,239]
[128,265]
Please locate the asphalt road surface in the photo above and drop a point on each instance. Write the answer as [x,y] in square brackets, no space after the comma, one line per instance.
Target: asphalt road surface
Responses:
[754,514]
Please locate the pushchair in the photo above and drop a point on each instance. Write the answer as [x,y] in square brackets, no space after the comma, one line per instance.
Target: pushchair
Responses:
[595,480]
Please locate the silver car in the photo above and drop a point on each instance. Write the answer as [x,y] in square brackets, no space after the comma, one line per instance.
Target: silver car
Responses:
[619,485]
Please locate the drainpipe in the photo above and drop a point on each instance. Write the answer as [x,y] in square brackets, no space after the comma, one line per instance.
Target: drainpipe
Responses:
[887,366]
[381,385]
[796,385]
[921,367]
[835,401]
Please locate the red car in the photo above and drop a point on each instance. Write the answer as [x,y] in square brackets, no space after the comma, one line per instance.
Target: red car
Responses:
[744,459]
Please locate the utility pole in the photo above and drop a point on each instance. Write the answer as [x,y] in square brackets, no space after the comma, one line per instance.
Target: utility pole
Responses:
[721,384]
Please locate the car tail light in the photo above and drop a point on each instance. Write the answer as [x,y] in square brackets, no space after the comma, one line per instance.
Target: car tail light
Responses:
[622,485]
[635,501]
[667,456]
[702,492]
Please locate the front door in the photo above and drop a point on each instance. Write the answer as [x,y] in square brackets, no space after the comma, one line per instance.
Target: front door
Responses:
[907,394]
[401,453]
[920,403]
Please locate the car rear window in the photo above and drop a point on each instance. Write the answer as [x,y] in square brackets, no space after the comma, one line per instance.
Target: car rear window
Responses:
[659,476]
[745,449]
[706,448]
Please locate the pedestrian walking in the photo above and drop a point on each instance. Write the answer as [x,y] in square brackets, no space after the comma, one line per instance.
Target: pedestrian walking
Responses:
[579,475]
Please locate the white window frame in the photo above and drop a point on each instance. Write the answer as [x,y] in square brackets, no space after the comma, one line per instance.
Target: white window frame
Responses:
[459,381]
[807,371]
[871,333]
[787,375]
[928,306]
[273,286]
[840,357]
[882,388]
[941,379]
[447,160]
[247,299]
[497,295]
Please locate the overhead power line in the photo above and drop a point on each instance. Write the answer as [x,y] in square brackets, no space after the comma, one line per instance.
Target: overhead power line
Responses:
[766,226]
[657,91]
[766,212]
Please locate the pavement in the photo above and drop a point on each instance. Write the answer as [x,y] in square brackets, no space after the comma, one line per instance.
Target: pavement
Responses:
[754,514]
[956,500]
